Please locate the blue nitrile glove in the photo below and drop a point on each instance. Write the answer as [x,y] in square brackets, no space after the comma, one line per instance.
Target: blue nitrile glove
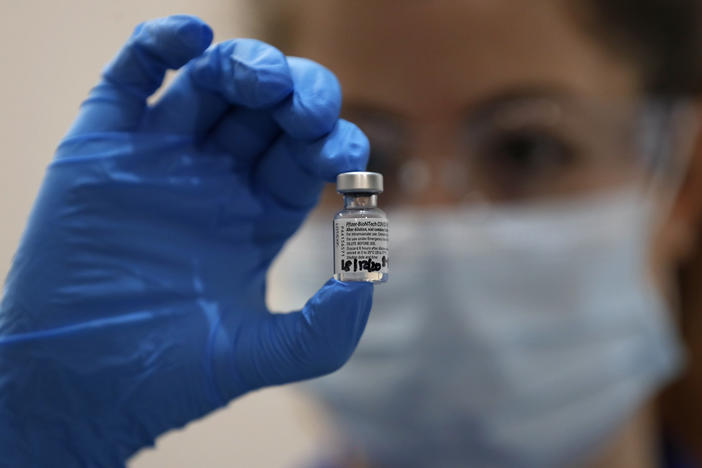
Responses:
[135,302]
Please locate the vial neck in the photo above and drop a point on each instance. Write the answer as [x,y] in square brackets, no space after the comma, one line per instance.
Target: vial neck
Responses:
[360,201]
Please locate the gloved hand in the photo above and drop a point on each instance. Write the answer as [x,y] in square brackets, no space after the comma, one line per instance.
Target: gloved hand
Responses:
[135,302]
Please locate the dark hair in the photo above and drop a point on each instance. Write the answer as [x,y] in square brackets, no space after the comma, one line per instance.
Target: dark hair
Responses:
[664,37]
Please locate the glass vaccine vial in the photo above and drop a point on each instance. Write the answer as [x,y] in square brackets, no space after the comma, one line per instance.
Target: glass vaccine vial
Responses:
[361,230]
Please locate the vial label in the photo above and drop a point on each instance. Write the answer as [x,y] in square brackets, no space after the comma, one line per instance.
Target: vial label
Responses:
[361,245]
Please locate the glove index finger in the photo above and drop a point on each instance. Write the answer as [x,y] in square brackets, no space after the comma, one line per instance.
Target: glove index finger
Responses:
[345,149]
[293,172]
[313,109]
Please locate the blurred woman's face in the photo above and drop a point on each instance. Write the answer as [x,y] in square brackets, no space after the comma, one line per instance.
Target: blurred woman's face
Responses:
[487,100]
[497,101]
[503,100]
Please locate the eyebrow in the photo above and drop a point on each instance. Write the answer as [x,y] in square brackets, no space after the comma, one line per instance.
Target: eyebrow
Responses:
[482,108]
[489,105]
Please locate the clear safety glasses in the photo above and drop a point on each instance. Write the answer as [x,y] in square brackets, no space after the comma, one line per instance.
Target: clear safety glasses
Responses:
[535,148]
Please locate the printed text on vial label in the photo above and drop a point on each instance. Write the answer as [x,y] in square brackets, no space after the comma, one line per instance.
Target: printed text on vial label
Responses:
[362,244]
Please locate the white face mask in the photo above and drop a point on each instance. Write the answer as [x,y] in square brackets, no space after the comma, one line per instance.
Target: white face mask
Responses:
[504,338]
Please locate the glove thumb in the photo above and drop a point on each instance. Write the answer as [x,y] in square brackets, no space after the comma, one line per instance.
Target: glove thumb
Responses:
[315,341]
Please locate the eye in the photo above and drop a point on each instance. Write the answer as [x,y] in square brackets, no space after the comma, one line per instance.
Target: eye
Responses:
[518,164]
[527,152]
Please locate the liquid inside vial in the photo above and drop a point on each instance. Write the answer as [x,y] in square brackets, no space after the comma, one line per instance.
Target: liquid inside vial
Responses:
[361,240]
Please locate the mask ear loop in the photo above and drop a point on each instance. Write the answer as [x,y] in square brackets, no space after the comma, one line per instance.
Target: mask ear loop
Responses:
[669,134]
[674,130]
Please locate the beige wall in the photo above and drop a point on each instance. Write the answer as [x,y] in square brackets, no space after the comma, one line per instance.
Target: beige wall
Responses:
[51,54]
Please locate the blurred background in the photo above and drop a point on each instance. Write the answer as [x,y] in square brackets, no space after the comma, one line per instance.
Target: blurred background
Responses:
[51,55]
